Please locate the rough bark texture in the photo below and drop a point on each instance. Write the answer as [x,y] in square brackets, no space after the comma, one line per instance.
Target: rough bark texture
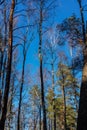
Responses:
[8,75]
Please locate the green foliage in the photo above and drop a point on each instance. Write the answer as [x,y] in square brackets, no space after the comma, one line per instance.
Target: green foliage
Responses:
[35,94]
[64,75]
[70,113]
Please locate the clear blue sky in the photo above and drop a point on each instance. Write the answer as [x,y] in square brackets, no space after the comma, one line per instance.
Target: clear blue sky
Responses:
[64,10]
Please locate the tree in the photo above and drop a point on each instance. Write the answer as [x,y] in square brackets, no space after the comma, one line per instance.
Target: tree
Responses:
[8,75]
[50,59]
[36,106]
[82,113]
[65,79]
[41,66]
[63,75]
[41,19]
[59,109]
[25,49]
[75,40]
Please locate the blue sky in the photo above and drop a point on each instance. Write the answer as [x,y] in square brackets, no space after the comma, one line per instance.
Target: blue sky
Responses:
[65,8]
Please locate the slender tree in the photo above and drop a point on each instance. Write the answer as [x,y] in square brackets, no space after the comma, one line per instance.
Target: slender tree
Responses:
[21,89]
[41,66]
[62,81]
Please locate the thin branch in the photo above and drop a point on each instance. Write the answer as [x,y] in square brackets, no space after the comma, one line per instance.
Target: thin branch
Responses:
[15,46]
[1,2]
[25,26]
[20,15]
[27,10]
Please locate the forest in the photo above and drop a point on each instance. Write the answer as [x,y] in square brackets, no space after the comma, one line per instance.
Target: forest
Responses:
[43,65]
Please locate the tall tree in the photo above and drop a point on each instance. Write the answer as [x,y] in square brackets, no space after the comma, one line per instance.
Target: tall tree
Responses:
[65,82]
[25,46]
[8,75]
[82,113]
[51,59]
[36,104]
[41,65]
[63,73]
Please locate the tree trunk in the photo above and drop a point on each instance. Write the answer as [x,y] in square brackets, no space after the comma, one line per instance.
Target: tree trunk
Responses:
[49,124]
[54,109]
[42,96]
[4,44]
[82,113]
[4,58]
[20,98]
[8,75]
[10,103]
[41,68]
[40,117]
[64,103]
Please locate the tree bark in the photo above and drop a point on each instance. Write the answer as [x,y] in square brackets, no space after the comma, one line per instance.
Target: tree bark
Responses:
[40,117]
[41,68]
[21,91]
[8,75]
[82,113]
[64,102]
[54,109]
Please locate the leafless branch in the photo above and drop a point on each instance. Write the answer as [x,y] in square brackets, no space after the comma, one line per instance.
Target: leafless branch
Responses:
[25,26]
[1,2]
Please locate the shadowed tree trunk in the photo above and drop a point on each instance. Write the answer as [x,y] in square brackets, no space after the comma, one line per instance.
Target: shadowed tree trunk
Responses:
[10,103]
[41,67]
[53,87]
[40,117]
[21,91]
[82,113]
[4,57]
[63,87]
[8,75]
[64,102]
